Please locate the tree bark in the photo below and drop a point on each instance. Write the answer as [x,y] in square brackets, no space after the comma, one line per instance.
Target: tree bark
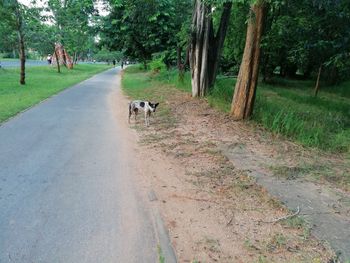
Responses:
[204,64]
[218,43]
[317,86]
[199,48]
[21,47]
[58,61]
[22,57]
[244,95]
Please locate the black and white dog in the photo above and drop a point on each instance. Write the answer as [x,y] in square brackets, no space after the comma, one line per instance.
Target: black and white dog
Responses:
[146,106]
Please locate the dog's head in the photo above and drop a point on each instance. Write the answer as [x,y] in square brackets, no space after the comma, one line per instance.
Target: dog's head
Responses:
[153,106]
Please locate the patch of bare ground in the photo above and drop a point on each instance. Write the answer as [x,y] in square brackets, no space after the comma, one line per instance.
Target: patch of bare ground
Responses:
[201,166]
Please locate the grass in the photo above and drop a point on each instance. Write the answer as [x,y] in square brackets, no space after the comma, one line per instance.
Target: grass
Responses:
[139,84]
[41,83]
[161,258]
[288,107]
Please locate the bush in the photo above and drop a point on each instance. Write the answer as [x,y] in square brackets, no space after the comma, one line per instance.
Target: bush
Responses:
[157,64]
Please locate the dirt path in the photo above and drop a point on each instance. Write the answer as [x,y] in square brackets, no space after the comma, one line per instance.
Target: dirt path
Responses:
[212,179]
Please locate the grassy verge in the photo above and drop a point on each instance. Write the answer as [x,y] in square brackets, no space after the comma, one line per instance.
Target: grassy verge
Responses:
[288,107]
[41,83]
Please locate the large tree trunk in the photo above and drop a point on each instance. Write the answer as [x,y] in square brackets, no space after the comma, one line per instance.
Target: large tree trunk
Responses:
[244,95]
[204,65]
[199,48]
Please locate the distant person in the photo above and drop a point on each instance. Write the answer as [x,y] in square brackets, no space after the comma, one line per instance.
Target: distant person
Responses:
[49,59]
[113,62]
[122,64]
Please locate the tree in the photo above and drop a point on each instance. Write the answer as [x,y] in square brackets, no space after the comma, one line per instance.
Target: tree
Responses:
[245,89]
[71,20]
[204,65]
[12,14]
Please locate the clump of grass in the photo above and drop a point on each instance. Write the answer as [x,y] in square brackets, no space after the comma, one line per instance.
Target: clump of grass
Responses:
[161,257]
[276,242]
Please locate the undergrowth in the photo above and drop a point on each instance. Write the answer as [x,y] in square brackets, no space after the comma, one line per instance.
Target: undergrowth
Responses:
[289,108]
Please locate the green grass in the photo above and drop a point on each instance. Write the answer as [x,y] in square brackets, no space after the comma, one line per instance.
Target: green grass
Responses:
[285,107]
[41,83]
[140,84]
[288,107]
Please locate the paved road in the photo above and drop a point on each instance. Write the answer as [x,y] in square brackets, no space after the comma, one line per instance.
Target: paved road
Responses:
[66,193]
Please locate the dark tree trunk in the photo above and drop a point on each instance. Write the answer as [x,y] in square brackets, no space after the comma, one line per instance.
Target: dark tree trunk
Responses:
[317,86]
[21,47]
[204,65]
[291,71]
[58,61]
[22,58]
[218,43]
[180,65]
[179,60]
[244,95]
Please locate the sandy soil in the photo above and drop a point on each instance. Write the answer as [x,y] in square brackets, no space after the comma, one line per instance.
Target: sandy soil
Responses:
[213,207]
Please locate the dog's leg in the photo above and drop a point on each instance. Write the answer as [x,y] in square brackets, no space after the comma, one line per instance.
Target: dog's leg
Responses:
[146,113]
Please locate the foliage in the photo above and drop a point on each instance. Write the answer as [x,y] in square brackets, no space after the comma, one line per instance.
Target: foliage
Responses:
[157,64]
[302,35]
[235,39]
[72,20]
[141,28]
[105,55]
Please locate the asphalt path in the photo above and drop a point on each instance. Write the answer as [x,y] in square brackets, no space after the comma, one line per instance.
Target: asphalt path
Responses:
[66,188]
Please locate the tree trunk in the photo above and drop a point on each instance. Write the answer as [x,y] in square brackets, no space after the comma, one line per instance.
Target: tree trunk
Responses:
[204,65]
[317,87]
[22,57]
[244,95]
[218,43]
[199,48]
[180,65]
[58,61]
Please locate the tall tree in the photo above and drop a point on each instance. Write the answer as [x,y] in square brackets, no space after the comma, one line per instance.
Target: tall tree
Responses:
[140,28]
[245,89]
[72,23]
[12,15]
[204,64]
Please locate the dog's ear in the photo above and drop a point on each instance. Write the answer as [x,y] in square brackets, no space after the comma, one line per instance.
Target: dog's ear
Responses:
[155,105]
